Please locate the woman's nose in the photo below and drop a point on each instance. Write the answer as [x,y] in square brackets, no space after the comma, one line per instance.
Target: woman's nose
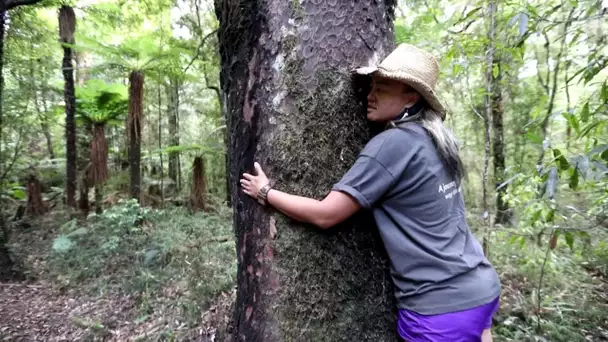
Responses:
[370,96]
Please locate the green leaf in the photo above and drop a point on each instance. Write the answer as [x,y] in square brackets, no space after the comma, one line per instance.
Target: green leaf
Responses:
[495,70]
[585,112]
[574,179]
[562,161]
[569,239]
[550,216]
[19,194]
[536,216]
[78,232]
[456,68]
[535,138]
[572,122]
[604,93]
[588,128]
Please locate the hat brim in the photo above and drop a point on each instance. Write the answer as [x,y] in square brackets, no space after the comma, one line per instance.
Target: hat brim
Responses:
[366,70]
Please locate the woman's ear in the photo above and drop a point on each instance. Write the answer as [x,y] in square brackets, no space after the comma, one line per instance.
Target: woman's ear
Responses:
[412,97]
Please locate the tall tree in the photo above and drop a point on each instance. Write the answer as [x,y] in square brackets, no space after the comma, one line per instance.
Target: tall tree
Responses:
[136,98]
[67,26]
[286,75]
[487,117]
[498,142]
[100,104]
[6,263]
[173,113]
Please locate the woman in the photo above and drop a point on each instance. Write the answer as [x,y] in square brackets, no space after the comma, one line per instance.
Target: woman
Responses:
[410,175]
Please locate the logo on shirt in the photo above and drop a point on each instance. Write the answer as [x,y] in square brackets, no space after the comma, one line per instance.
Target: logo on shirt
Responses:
[449,189]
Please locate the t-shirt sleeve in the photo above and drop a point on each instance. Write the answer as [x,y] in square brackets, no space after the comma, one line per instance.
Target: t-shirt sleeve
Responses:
[366,181]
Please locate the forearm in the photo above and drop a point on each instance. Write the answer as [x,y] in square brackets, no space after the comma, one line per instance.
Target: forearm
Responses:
[297,207]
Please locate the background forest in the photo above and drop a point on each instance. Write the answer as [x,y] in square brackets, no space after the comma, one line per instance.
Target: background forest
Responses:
[115,215]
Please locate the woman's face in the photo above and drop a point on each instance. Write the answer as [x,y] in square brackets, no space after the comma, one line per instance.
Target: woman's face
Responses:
[387,98]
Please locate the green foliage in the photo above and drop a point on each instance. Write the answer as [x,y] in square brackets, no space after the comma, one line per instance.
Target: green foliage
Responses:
[129,248]
[100,103]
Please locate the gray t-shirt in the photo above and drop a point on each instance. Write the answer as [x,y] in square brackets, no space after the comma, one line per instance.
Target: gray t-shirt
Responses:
[437,265]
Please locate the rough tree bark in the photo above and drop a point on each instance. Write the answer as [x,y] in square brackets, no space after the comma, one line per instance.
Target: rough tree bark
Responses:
[67,26]
[35,204]
[198,193]
[291,105]
[503,213]
[136,97]
[83,141]
[99,164]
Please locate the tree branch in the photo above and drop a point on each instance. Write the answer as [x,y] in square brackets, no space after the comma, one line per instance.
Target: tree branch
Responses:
[16,3]
[198,49]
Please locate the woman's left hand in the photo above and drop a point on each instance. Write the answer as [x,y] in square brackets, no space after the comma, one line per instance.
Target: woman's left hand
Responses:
[251,184]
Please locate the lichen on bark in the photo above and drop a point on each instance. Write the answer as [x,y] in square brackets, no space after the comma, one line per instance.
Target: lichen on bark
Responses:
[293,106]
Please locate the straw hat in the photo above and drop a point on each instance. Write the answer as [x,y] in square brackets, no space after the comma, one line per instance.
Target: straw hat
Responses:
[414,67]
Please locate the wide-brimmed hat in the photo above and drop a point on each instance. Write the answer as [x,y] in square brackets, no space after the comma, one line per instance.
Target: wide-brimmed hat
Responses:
[414,67]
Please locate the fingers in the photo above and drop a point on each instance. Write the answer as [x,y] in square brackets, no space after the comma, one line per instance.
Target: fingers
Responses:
[247,187]
[258,168]
[248,176]
[246,183]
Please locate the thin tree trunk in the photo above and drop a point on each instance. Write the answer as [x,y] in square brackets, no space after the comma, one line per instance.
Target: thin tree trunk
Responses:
[67,23]
[292,107]
[6,263]
[487,115]
[41,108]
[552,92]
[173,111]
[160,146]
[498,146]
[136,97]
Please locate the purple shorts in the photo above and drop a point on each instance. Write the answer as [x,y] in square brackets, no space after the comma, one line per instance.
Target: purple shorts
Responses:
[460,326]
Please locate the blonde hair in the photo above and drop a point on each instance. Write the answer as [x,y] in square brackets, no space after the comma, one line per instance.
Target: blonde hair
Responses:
[445,142]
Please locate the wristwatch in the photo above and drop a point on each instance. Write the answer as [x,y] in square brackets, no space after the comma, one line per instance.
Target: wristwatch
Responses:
[263,194]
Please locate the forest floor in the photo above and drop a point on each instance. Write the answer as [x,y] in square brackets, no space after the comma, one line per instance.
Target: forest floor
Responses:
[78,291]
[56,303]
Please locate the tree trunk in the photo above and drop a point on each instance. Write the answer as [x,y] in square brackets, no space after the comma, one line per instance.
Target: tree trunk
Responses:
[498,146]
[84,167]
[99,163]
[6,263]
[136,97]
[287,78]
[160,146]
[99,198]
[35,204]
[489,84]
[173,111]
[198,193]
[67,24]
[42,109]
